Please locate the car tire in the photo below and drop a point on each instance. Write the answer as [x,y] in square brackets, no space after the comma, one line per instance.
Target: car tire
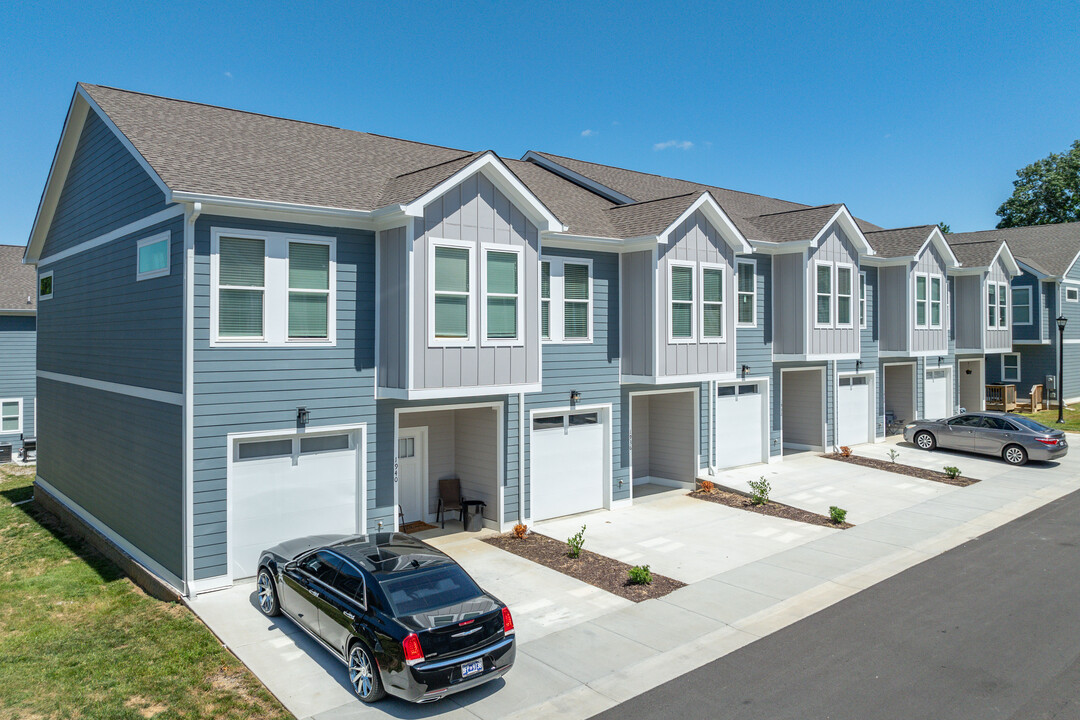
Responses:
[364,674]
[925,440]
[1014,455]
[267,593]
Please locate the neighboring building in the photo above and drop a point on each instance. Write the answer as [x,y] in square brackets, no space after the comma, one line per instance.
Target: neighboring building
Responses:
[18,308]
[253,307]
[1047,287]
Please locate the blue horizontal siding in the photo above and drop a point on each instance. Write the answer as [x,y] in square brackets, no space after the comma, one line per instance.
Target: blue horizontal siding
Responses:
[18,341]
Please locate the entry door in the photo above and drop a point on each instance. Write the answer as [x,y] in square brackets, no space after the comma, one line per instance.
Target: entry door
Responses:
[412,475]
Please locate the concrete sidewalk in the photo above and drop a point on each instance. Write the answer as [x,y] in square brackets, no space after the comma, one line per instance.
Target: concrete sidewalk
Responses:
[587,653]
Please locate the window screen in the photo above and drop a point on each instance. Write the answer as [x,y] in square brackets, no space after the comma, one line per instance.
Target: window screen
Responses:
[241,278]
[309,290]
[682,302]
[575,301]
[451,292]
[502,294]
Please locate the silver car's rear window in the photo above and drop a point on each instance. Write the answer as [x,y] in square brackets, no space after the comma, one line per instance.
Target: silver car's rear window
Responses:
[1029,424]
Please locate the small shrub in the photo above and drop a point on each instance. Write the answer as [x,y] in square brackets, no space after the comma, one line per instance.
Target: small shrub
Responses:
[837,514]
[845,451]
[707,486]
[575,542]
[520,531]
[893,455]
[640,575]
[952,471]
[759,491]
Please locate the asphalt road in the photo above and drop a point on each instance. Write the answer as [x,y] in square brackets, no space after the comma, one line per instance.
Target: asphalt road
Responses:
[990,629]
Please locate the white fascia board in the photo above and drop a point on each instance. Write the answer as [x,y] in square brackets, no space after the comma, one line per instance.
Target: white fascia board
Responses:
[496,171]
[1071,265]
[577,178]
[967,270]
[879,261]
[597,244]
[938,238]
[1032,271]
[767,247]
[449,393]
[1010,261]
[847,221]
[717,217]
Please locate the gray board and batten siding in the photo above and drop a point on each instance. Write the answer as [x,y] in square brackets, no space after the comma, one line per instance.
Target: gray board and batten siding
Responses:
[999,339]
[393,308]
[835,247]
[972,311]
[789,305]
[638,313]
[475,211]
[895,308]
[695,240]
[18,342]
[754,344]
[931,339]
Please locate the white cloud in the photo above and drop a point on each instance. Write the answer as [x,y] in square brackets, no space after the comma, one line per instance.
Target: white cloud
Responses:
[589,133]
[677,144]
[228,74]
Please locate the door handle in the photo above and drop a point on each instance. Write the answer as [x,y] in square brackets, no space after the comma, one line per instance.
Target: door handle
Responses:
[312,592]
[349,615]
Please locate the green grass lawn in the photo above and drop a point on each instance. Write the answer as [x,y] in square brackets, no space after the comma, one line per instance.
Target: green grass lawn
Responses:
[1049,418]
[80,640]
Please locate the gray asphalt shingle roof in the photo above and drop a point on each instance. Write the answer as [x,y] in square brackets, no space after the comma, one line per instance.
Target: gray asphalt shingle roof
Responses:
[18,282]
[794,225]
[1050,249]
[899,242]
[978,253]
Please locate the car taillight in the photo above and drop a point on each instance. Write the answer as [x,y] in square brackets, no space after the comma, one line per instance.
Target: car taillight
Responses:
[413,652]
[508,622]
[1048,441]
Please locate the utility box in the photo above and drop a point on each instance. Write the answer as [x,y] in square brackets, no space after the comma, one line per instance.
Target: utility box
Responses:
[5,452]
[1050,387]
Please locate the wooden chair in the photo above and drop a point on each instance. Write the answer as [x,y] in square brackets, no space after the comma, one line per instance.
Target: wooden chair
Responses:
[450,499]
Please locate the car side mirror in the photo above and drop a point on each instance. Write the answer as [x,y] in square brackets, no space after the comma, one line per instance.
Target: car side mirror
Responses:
[291,566]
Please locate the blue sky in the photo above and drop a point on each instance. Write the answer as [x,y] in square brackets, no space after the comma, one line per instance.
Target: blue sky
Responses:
[908,112]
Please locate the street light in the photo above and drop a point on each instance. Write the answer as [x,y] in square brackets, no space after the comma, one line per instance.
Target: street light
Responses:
[1061,367]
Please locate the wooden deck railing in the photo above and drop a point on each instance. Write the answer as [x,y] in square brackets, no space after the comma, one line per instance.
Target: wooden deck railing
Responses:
[1001,397]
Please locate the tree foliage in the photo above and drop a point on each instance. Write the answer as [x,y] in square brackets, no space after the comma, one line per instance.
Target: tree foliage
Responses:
[944,227]
[1046,191]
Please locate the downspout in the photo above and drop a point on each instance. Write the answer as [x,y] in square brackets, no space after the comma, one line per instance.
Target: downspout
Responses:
[835,421]
[521,457]
[190,216]
[712,430]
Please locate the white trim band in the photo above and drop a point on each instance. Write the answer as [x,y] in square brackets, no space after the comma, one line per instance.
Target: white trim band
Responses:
[161,396]
[132,227]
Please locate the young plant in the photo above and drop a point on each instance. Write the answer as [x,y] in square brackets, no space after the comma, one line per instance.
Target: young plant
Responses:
[837,514]
[640,575]
[575,542]
[707,486]
[520,531]
[952,471]
[845,451]
[893,455]
[759,491]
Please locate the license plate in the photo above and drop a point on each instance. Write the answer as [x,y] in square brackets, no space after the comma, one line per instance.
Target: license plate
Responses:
[472,668]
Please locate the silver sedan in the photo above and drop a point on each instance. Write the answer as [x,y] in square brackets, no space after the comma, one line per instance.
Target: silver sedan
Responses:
[1014,438]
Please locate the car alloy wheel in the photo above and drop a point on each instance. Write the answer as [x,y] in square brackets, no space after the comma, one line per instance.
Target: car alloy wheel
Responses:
[363,674]
[1015,455]
[267,595]
[925,440]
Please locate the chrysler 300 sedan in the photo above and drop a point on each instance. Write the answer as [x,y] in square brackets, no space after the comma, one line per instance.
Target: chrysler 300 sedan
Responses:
[1013,438]
[403,616]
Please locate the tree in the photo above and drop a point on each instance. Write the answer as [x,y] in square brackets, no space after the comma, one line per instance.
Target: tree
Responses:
[944,227]
[1046,191]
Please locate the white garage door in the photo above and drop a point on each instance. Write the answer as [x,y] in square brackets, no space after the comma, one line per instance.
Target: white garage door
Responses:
[568,463]
[853,410]
[740,420]
[937,395]
[288,487]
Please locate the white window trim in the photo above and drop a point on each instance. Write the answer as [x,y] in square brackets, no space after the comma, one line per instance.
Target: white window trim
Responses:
[990,310]
[694,294]
[165,237]
[852,307]
[41,277]
[930,301]
[818,325]
[1031,311]
[557,301]
[1004,377]
[1006,295]
[915,300]
[18,430]
[275,289]
[1074,291]
[519,340]
[702,267]
[470,339]
[863,284]
[331,293]
[752,294]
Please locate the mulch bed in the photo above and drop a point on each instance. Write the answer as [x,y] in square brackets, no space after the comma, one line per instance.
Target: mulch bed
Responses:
[900,469]
[772,508]
[597,570]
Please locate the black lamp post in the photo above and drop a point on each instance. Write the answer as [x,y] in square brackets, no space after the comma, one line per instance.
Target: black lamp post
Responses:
[1061,367]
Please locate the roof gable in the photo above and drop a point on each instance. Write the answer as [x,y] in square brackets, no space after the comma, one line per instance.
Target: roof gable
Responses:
[18,282]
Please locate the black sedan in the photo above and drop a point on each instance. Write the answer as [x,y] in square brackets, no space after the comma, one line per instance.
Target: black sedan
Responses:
[403,616]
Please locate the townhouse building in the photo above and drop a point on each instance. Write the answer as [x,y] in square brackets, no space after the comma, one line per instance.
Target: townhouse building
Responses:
[18,323]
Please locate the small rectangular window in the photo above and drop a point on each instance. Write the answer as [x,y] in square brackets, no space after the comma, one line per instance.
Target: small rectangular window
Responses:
[1010,367]
[1071,294]
[265,449]
[323,443]
[501,294]
[682,302]
[1003,305]
[452,288]
[823,291]
[858,380]
[45,285]
[748,389]
[545,300]
[991,304]
[843,295]
[11,416]
[152,257]
[1021,301]
[548,423]
[747,291]
[241,287]
[712,303]
[576,301]
[862,300]
[309,291]
[584,419]
[406,447]
[935,302]
[726,391]
[920,301]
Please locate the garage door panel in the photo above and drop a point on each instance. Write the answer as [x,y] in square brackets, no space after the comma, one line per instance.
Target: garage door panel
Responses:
[739,425]
[853,410]
[937,395]
[567,466]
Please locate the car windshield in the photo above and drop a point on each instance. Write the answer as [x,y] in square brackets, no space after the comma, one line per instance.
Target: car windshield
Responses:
[1029,424]
[422,591]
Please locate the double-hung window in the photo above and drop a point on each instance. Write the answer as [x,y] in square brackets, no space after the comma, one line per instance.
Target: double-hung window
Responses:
[747,293]
[241,287]
[452,293]
[935,301]
[1021,301]
[921,299]
[501,313]
[545,300]
[309,291]
[1003,305]
[712,302]
[681,306]
[844,278]
[862,300]
[1010,367]
[577,302]
[991,305]
[152,257]
[11,416]
[823,292]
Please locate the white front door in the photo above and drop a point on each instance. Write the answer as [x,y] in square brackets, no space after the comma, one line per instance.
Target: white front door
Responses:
[853,410]
[937,395]
[412,473]
[569,459]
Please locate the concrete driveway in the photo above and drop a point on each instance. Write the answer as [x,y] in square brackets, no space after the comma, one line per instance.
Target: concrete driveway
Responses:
[582,650]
